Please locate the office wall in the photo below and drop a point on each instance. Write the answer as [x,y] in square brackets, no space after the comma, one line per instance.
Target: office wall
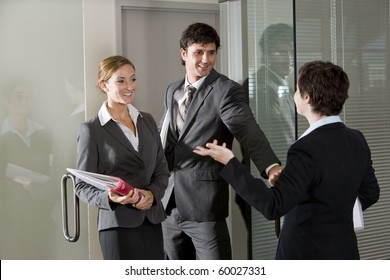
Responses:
[101,40]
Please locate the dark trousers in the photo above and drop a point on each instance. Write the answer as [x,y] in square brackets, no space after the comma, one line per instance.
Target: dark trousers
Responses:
[141,243]
[189,240]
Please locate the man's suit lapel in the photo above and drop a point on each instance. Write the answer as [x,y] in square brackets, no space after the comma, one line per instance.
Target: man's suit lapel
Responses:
[172,134]
[198,100]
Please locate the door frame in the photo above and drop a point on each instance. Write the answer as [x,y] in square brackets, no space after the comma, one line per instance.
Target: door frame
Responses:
[155,5]
[119,6]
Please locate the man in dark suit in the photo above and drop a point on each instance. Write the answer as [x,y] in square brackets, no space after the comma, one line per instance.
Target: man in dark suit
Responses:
[328,168]
[198,204]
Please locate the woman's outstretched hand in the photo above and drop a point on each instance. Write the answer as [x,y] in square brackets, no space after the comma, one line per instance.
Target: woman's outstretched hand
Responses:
[218,153]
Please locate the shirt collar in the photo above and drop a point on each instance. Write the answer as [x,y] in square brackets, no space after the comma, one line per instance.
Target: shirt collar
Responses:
[197,84]
[321,122]
[32,127]
[105,116]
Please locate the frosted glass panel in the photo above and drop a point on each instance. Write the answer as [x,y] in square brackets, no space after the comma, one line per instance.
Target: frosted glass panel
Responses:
[41,107]
[270,87]
[355,35]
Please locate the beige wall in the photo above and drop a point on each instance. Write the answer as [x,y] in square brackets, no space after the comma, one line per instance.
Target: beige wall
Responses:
[100,28]
[101,41]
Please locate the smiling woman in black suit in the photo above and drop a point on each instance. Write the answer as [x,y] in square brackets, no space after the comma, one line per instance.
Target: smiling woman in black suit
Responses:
[327,168]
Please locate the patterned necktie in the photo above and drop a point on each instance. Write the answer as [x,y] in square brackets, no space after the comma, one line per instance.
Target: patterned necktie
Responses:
[183,108]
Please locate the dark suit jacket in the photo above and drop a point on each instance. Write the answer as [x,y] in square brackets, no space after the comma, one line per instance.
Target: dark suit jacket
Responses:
[326,170]
[219,110]
[106,150]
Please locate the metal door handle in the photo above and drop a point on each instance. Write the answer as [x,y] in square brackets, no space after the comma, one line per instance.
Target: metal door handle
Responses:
[76,203]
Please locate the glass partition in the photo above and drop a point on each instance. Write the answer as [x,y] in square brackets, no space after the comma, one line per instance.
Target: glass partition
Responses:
[41,108]
[270,86]
[355,35]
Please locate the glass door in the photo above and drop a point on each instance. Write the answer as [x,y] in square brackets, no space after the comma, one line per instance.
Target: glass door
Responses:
[353,34]
[41,108]
[270,86]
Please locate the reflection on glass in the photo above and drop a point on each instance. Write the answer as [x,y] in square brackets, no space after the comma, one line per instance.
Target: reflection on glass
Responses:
[65,128]
[41,108]
[24,149]
[271,87]
[355,35]
[63,155]
[270,91]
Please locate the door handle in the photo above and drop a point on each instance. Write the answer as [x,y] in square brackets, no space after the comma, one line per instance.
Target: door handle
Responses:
[76,212]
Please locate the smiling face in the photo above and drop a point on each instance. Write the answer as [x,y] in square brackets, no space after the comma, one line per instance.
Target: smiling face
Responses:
[121,86]
[199,60]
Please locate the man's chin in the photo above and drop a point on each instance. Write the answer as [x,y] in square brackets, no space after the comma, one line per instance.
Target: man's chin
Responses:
[203,73]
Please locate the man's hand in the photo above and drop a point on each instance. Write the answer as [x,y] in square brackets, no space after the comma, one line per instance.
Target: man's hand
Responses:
[273,174]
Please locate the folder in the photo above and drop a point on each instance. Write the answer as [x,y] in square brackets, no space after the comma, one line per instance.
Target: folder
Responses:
[164,129]
[104,182]
[358,221]
[24,175]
